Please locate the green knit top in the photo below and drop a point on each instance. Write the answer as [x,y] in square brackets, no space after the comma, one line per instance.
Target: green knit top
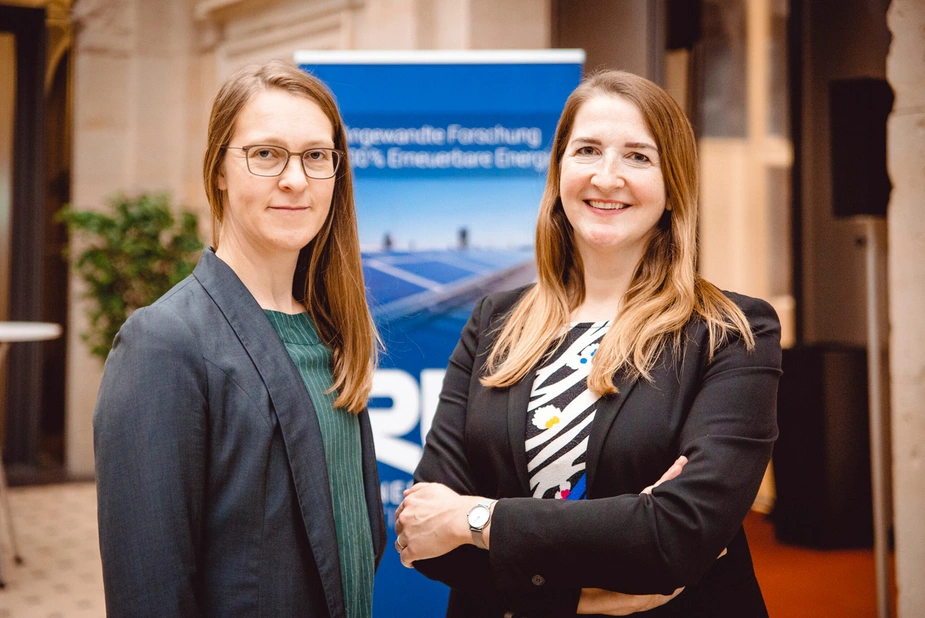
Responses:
[340,432]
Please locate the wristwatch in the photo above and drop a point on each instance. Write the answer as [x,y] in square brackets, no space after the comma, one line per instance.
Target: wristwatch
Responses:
[479,518]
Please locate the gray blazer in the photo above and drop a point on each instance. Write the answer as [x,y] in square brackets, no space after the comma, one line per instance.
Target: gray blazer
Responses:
[213,490]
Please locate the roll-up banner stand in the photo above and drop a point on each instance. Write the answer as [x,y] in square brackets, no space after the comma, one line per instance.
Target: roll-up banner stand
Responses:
[449,151]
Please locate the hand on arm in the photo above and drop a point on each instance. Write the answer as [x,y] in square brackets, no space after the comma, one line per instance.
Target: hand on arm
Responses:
[431,521]
[609,603]
[670,473]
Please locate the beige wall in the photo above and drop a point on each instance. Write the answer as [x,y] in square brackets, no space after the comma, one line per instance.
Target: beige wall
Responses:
[906,155]
[615,34]
[131,134]
[738,209]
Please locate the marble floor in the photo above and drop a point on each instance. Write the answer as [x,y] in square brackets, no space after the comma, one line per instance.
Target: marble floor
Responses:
[60,576]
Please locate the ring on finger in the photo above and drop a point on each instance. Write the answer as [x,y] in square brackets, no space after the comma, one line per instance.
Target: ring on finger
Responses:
[398,545]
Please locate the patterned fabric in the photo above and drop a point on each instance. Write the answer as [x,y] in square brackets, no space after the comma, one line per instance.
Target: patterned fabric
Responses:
[560,414]
[340,432]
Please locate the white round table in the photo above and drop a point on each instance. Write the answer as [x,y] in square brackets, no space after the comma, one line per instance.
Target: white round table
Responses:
[28,331]
[14,332]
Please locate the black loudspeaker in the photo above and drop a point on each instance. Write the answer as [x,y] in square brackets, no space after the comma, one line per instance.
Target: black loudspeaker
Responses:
[683,24]
[858,109]
[822,456]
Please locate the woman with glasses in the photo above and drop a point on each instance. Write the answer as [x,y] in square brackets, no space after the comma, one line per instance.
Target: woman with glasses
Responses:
[602,434]
[234,456]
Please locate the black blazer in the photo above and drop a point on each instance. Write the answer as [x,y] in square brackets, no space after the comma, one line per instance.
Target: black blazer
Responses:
[213,488]
[721,414]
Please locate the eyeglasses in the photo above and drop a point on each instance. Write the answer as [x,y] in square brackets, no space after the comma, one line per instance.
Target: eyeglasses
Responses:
[269,161]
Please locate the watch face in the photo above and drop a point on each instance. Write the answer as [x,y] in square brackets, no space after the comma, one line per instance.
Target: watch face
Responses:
[478,516]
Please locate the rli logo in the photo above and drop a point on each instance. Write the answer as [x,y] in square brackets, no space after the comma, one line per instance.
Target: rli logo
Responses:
[411,406]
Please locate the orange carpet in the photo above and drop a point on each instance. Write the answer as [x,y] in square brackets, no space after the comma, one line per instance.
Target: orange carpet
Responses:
[799,582]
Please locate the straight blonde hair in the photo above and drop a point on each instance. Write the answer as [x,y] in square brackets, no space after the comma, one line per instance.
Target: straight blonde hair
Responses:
[665,292]
[329,277]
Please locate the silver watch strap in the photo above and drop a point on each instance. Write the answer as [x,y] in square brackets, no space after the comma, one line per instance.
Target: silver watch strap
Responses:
[477,537]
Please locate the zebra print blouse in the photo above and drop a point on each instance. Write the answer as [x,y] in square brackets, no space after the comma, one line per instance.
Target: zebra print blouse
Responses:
[560,414]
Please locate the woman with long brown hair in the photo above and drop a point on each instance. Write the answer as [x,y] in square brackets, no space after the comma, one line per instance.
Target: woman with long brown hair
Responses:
[636,400]
[234,457]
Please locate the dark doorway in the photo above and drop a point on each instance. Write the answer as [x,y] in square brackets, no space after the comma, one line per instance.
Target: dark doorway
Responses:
[34,419]
[58,150]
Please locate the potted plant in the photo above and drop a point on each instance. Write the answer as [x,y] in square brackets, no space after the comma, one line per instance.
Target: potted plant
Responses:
[128,258]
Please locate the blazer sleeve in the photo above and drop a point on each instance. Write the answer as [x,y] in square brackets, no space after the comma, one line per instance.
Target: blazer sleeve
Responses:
[656,543]
[468,568]
[149,438]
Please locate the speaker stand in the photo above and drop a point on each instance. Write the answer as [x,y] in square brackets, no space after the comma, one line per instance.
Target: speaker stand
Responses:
[879,452]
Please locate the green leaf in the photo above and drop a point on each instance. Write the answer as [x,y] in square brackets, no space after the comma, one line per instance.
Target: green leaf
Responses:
[132,256]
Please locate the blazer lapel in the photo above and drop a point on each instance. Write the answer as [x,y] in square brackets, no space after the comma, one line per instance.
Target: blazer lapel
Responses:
[518,400]
[371,487]
[608,408]
[297,417]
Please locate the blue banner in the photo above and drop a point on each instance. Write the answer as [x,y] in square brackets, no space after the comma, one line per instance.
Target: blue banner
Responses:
[449,153]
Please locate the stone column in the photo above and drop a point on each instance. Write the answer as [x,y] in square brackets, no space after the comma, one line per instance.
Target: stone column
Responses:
[131,135]
[906,223]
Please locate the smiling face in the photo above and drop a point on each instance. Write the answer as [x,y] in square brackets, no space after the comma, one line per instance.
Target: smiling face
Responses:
[611,184]
[276,216]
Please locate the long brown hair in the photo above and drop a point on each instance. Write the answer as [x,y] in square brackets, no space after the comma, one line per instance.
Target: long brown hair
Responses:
[329,277]
[665,291]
